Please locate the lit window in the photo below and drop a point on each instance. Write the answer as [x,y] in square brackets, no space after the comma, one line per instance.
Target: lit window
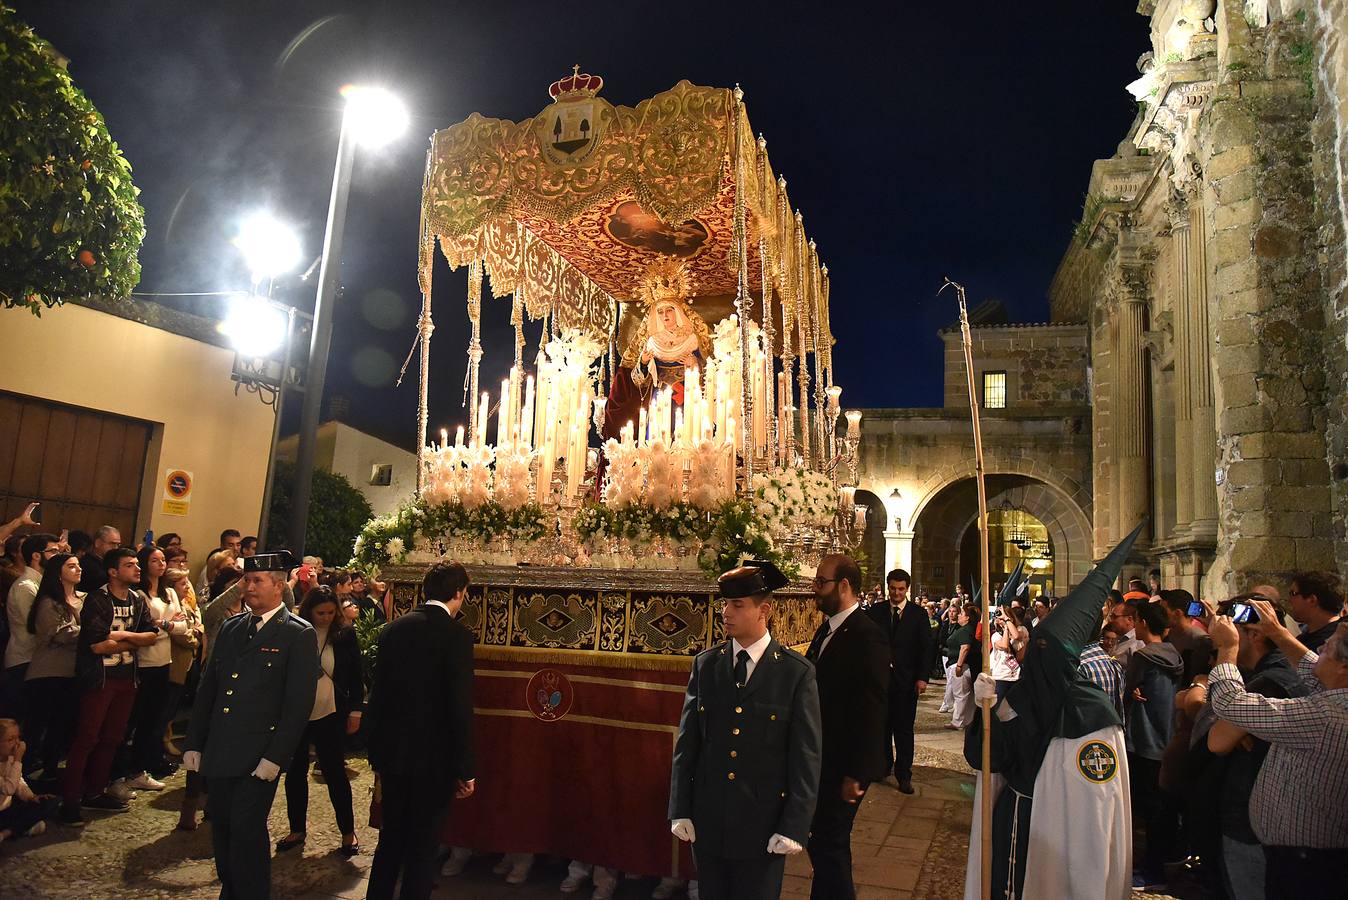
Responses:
[994,390]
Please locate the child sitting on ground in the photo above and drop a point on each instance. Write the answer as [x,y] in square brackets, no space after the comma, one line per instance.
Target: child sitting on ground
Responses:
[21,811]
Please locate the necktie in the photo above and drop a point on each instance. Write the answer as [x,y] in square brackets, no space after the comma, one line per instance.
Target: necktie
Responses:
[254,623]
[741,668]
[817,644]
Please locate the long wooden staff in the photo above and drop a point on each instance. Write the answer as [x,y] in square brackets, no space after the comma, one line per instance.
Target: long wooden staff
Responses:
[986,812]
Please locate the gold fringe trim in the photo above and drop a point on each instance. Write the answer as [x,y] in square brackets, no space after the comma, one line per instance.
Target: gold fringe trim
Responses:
[556,656]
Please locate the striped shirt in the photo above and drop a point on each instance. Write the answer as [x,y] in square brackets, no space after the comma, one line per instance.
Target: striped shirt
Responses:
[1104,672]
[1300,798]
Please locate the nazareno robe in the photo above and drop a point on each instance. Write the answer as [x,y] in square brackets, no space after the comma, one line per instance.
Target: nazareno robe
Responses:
[1052,701]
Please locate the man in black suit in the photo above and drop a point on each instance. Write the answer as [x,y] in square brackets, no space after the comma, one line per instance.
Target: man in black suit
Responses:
[908,629]
[851,661]
[419,731]
[252,706]
[746,762]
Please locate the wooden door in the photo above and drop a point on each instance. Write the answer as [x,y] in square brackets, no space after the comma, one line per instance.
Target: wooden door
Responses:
[86,467]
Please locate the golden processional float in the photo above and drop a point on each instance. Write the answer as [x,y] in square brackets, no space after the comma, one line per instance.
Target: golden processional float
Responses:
[686,328]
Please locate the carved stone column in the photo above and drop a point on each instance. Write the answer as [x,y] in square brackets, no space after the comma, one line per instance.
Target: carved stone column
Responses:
[1204,423]
[1178,210]
[1130,407]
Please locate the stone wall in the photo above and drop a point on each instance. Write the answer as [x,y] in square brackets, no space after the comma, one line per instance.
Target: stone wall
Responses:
[1329,167]
[1045,365]
[1266,307]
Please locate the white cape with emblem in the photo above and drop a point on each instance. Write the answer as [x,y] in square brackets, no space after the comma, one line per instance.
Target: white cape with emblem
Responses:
[1081,827]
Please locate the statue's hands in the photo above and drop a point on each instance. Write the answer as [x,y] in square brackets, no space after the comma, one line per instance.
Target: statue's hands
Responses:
[646,356]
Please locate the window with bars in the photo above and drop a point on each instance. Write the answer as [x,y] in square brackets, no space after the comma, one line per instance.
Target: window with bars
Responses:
[994,390]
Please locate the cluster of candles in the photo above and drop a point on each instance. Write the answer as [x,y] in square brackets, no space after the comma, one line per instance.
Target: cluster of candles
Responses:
[848,496]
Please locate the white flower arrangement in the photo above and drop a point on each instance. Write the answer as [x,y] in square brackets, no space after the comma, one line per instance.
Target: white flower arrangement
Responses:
[784,499]
[664,476]
[575,349]
[626,473]
[474,487]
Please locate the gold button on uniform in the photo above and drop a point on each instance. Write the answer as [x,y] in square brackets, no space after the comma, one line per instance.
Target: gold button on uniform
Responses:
[734,731]
[226,709]
[733,754]
[229,693]
[731,776]
[235,675]
[739,709]
[773,717]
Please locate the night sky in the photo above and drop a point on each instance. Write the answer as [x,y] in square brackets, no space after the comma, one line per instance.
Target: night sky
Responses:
[951,139]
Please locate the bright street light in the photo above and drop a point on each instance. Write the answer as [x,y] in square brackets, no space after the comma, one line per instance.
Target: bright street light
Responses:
[270,247]
[255,326]
[373,115]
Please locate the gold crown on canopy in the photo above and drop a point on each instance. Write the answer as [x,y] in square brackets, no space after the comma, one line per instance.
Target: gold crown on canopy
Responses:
[667,278]
[575,86]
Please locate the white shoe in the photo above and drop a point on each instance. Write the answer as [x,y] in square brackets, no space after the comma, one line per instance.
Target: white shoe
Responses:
[666,888]
[692,890]
[458,858]
[519,871]
[145,782]
[943,709]
[604,891]
[39,828]
[502,865]
[572,883]
[121,790]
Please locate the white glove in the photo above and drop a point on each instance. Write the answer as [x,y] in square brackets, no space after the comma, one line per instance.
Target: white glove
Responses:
[780,843]
[192,761]
[267,770]
[985,690]
[683,830]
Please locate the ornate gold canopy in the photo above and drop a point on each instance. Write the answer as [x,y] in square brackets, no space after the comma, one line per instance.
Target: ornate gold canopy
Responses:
[571,217]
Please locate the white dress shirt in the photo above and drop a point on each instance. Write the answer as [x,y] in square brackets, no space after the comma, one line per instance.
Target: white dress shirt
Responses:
[834,623]
[756,651]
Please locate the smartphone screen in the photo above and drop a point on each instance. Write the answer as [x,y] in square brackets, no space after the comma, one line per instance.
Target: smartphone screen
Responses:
[1196,609]
[36,514]
[1243,614]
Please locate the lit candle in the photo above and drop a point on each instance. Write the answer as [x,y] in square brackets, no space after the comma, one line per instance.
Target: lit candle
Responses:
[481,436]
[458,437]
[641,428]
[678,427]
[527,415]
[854,423]
[730,457]
[444,437]
[503,416]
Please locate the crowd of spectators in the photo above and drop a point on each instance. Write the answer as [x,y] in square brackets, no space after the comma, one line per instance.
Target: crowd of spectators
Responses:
[103,645]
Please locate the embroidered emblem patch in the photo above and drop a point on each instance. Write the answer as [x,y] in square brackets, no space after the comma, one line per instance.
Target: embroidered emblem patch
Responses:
[549,695]
[1097,762]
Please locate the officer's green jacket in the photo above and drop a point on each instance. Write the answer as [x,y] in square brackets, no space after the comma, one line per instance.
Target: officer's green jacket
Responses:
[255,696]
[746,762]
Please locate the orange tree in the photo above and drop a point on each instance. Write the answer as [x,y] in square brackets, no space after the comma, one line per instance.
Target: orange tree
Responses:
[70,223]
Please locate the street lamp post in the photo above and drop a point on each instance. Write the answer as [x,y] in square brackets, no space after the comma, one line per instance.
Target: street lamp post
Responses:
[370,116]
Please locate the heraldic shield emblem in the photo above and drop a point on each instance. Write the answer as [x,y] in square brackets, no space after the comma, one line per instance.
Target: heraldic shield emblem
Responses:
[570,130]
[549,695]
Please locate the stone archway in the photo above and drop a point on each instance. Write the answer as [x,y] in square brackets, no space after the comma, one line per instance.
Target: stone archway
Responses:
[873,540]
[946,514]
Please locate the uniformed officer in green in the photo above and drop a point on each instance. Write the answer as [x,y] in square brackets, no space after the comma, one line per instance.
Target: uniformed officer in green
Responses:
[251,709]
[746,763]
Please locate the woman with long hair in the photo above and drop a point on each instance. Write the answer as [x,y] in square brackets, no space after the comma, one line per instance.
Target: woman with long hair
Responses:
[338,700]
[54,622]
[1009,639]
[147,762]
[184,649]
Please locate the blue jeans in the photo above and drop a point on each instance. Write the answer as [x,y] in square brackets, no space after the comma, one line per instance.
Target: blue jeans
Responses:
[1243,869]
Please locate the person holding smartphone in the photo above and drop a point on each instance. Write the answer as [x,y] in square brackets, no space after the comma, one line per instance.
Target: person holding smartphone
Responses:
[1299,804]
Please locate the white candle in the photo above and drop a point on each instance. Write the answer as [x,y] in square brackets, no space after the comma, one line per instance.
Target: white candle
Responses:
[859,518]
[854,423]
[641,428]
[730,457]
[503,416]
[458,437]
[527,415]
[444,437]
[481,436]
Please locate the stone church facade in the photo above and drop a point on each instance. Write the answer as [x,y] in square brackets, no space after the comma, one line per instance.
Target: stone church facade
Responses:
[1194,374]
[1209,266]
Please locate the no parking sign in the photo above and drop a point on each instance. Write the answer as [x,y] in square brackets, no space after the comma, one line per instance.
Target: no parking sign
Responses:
[177,492]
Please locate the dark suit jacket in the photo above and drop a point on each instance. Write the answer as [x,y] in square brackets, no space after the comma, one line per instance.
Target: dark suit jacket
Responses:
[348,678]
[853,676]
[772,727]
[910,644]
[255,696]
[419,718]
